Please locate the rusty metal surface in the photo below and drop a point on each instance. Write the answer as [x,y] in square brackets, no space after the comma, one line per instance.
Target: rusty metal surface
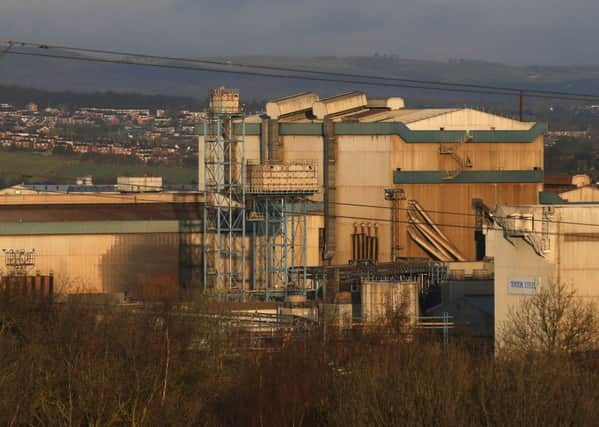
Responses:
[93,212]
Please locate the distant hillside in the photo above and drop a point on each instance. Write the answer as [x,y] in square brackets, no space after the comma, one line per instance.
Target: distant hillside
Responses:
[59,75]
[19,96]
[73,83]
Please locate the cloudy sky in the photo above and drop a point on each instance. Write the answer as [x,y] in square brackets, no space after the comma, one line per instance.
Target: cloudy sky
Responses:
[552,32]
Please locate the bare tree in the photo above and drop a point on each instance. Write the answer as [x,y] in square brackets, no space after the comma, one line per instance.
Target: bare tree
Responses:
[555,321]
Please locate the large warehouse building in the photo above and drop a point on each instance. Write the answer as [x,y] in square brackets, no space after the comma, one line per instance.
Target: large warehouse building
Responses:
[450,163]
[105,242]
[382,182]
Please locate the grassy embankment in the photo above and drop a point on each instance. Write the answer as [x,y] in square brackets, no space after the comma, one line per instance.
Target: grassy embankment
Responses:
[36,168]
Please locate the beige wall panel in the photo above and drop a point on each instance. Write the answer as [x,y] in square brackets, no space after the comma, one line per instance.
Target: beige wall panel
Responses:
[414,156]
[102,263]
[484,156]
[578,266]
[314,222]
[364,143]
[584,194]
[252,148]
[297,147]
[508,156]
[448,199]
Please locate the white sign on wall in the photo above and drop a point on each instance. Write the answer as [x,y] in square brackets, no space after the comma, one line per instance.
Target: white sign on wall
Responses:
[524,285]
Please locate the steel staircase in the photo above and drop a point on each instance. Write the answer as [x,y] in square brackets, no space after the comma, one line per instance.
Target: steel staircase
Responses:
[452,149]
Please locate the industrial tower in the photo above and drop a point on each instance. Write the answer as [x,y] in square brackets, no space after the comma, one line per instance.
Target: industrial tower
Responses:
[261,207]
[224,232]
[278,218]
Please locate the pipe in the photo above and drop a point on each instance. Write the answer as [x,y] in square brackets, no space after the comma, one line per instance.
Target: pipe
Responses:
[362,253]
[354,237]
[376,242]
[369,242]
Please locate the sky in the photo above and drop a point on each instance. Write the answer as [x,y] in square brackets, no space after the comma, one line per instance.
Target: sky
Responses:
[519,32]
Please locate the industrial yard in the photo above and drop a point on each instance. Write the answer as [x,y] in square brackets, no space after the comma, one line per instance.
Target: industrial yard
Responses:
[329,247]
[305,204]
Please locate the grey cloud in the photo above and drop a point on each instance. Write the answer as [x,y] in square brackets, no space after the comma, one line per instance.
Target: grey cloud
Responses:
[513,31]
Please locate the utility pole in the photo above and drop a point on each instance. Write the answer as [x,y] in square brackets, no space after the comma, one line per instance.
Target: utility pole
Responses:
[395,195]
[521,98]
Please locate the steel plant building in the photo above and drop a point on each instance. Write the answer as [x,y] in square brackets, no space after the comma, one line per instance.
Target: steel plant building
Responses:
[450,164]
[381,181]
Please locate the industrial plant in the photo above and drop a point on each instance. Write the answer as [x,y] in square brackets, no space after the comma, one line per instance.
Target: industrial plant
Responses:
[336,201]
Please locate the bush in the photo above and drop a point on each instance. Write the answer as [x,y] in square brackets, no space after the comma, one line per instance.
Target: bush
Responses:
[556,321]
[70,364]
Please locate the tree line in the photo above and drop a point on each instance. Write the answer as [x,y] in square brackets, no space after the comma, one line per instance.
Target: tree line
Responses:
[73,364]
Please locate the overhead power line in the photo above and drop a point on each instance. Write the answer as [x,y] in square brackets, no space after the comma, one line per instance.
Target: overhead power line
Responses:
[348,78]
[357,205]
[123,197]
[259,74]
[513,90]
[463,214]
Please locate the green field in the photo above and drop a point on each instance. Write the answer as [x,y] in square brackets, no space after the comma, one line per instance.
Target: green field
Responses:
[16,167]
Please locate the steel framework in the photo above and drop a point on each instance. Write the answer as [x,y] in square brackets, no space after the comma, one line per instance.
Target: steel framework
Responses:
[279,248]
[224,226]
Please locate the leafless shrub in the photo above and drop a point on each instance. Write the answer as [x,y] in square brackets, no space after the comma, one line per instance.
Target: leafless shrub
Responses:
[555,321]
[167,366]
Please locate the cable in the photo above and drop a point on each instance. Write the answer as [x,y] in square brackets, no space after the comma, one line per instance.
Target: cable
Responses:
[460,213]
[362,218]
[538,93]
[572,97]
[359,205]
[5,51]
[513,90]
[255,74]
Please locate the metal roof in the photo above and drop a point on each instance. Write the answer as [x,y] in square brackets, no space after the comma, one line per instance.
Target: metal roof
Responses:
[407,115]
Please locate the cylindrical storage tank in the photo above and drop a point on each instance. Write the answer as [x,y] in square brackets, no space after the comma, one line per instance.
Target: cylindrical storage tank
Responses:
[224,101]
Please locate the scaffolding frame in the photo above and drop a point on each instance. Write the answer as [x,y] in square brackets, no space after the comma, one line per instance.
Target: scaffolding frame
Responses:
[224,226]
[279,244]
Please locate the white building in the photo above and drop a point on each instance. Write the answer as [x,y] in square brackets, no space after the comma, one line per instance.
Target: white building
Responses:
[535,245]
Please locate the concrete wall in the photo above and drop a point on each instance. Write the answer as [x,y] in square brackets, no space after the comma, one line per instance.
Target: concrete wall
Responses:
[569,256]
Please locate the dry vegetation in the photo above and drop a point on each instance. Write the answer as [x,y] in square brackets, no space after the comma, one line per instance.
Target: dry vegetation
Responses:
[69,365]
[556,321]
